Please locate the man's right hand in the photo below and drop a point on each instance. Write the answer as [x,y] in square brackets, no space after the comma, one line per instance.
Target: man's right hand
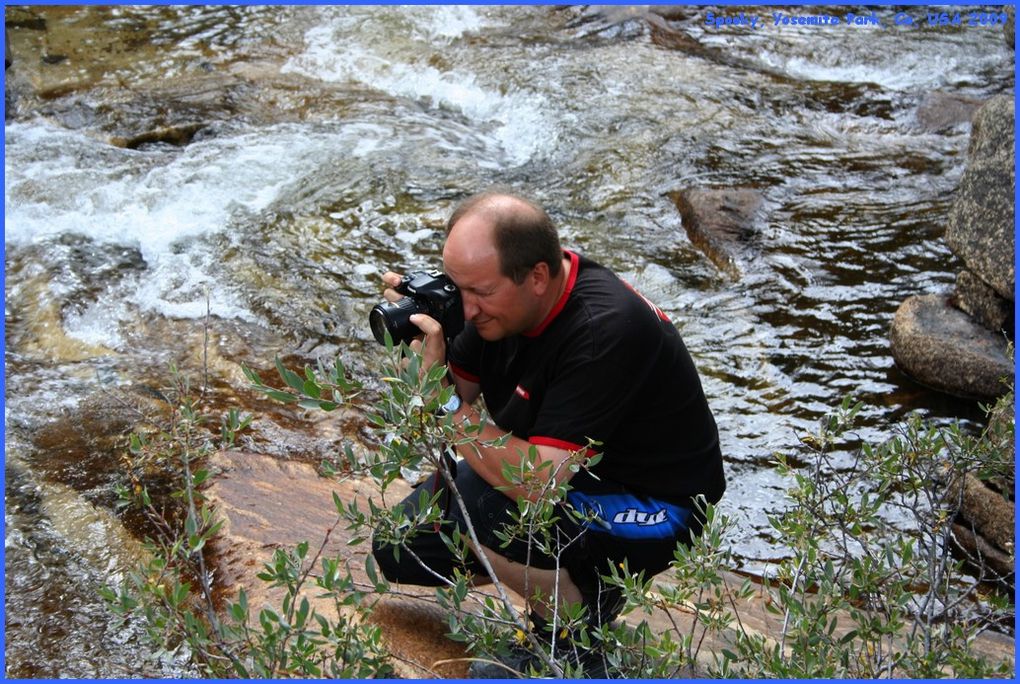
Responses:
[392,280]
[431,344]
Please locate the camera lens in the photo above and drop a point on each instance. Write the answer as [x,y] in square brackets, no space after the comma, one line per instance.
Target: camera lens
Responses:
[394,318]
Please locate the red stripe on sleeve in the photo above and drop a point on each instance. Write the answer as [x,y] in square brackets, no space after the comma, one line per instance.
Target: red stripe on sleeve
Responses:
[561,444]
[460,372]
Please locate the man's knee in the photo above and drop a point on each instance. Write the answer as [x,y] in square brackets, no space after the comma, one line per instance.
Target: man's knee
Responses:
[423,561]
[385,556]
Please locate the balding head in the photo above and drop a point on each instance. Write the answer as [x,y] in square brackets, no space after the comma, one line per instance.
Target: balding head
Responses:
[520,231]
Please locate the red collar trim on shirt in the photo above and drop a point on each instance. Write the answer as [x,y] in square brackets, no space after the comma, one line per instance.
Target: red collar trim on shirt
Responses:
[571,279]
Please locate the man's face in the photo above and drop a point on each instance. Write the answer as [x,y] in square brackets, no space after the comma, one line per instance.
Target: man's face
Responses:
[496,305]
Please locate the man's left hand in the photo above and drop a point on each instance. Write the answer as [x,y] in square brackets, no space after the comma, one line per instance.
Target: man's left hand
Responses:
[433,347]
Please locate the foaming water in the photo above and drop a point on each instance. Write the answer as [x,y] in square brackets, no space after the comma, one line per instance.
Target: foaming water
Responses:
[519,121]
[165,203]
[63,182]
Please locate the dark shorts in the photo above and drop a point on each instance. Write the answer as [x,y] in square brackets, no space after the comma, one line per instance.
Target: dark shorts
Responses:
[618,526]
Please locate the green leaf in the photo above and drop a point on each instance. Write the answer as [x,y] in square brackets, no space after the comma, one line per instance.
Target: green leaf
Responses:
[278,395]
[290,377]
[373,577]
[311,388]
[302,613]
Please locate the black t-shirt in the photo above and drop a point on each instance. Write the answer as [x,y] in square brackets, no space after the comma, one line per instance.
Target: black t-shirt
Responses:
[608,365]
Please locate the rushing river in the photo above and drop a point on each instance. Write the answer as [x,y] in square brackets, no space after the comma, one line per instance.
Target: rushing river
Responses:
[266,164]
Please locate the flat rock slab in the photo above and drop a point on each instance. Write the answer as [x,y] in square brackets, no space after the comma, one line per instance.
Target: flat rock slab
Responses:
[269,504]
[943,348]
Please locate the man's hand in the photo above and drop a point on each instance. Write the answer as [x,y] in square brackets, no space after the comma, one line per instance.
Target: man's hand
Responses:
[432,346]
[392,280]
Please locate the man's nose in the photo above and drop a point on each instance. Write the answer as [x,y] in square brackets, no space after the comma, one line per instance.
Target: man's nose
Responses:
[470,304]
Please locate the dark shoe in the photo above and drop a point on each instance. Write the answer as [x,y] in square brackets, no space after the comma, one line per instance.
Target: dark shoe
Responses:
[521,661]
[604,602]
[514,665]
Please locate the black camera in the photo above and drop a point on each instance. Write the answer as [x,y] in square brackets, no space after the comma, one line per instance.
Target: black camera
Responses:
[427,292]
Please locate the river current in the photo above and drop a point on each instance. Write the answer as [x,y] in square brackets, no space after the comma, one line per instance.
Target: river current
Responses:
[299,151]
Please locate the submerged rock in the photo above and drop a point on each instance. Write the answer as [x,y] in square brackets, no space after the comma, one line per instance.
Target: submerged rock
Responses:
[178,136]
[718,220]
[940,111]
[943,348]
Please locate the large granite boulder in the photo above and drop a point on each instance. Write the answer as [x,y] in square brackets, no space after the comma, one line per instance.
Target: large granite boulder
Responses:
[958,344]
[980,225]
[979,301]
[943,348]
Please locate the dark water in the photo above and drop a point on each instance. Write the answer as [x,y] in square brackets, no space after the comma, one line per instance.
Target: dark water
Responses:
[270,162]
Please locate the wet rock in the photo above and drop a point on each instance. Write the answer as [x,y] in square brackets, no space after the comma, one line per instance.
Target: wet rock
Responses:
[175,114]
[943,348]
[982,303]
[670,37]
[84,447]
[718,221]
[988,511]
[676,12]
[269,504]
[941,111]
[980,224]
[980,554]
[178,136]
[23,18]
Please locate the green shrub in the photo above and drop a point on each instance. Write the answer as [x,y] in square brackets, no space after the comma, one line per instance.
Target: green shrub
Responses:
[853,598]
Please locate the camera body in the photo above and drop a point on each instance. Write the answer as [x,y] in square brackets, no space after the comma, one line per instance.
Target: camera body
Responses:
[427,292]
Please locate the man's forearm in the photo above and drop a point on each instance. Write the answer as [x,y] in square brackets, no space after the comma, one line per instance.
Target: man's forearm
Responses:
[487,460]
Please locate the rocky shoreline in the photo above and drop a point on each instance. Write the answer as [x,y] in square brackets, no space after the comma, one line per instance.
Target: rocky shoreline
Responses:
[959,342]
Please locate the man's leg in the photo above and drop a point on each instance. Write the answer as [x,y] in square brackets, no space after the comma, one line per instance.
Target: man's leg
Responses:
[424,559]
[489,511]
[526,581]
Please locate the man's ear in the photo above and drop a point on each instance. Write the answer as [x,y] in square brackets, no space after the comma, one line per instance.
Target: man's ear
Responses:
[539,278]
